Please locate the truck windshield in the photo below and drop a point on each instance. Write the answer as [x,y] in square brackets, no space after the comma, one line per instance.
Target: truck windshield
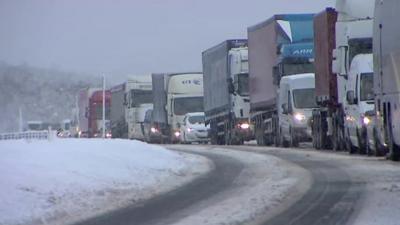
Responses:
[366,86]
[188,105]
[304,98]
[243,84]
[196,119]
[297,68]
[35,126]
[141,97]
[359,46]
[99,112]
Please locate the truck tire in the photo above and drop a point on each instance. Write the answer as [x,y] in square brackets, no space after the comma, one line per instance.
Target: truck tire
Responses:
[349,146]
[316,132]
[362,141]
[283,142]
[394,150]
[293,139]
[260,137]
[380,150]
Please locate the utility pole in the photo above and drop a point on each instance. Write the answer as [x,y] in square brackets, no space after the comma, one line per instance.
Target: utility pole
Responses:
[104,107]
[21,125]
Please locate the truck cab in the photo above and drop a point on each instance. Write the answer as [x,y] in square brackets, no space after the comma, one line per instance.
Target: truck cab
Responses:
[184,95]
[294,76]
[239,71]
[354,28]
[295,105]
[359,100]
[240,100]
[138,100]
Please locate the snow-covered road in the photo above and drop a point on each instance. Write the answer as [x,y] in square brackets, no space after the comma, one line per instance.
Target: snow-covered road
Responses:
[66,180]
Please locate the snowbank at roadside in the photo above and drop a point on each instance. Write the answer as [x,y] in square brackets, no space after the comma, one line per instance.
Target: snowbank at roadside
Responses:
[56,181]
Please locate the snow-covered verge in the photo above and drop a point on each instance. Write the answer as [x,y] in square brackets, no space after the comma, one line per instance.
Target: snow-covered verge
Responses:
[66,180]
[266,186]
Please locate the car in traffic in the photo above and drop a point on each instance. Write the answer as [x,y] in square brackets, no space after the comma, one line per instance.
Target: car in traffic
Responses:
[194,129]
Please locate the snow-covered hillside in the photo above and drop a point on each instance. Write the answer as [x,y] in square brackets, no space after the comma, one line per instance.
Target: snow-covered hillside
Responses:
[42,94]
[55,181]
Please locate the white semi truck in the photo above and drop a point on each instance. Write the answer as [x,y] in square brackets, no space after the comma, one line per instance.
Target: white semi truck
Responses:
[139,99]
[280,47]
[387,75]
[174,95]
[343,75]
[226,92]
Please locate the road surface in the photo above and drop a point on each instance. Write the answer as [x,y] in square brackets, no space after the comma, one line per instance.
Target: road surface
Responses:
[336,193]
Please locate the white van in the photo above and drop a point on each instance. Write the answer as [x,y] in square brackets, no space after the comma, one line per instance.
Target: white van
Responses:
[296,102]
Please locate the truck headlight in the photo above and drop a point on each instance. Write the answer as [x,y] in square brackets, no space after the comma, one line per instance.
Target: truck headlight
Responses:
[366,120]
[189,129]
[153,130]
[299,116]
[177,133]
[244,126]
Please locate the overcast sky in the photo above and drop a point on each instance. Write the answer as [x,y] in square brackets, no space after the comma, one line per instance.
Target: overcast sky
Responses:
[129,36]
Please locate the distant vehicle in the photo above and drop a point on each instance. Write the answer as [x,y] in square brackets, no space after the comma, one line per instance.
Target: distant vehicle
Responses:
[91,113]
[297,101]
[226,92]
[119,126]
[343,77]
[83,110]
[194,129]
[41,125]
[278,47]
[35,125]
[174,95]
[66,129]
[387,76]
[151,133]
[95,114]
[139,99]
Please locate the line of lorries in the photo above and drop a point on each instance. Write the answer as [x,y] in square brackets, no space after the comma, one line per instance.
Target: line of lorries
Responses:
[331,78]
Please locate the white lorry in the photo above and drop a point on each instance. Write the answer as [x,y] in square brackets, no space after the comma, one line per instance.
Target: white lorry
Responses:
[279,48]
[387,76]
[343,62]
[139,99]
[226,92]
[174,95]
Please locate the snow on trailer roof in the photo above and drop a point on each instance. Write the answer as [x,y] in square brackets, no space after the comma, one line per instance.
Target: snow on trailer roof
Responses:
[139,78]
[195,114]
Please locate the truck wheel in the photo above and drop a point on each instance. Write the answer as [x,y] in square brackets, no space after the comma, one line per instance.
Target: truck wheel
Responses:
[260,139]
[380,150]
[394,150]
[293,140]
[362,141]
[283,142]
[349,146]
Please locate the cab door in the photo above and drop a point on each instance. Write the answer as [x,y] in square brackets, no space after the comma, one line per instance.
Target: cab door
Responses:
[351,108]
[284,109]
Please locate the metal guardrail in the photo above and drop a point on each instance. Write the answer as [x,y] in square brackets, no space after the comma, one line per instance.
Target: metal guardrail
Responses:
[41,135]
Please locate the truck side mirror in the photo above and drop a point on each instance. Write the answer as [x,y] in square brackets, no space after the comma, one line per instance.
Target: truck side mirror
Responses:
[339,63]
[285,108]
[350,98]
[231,87]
